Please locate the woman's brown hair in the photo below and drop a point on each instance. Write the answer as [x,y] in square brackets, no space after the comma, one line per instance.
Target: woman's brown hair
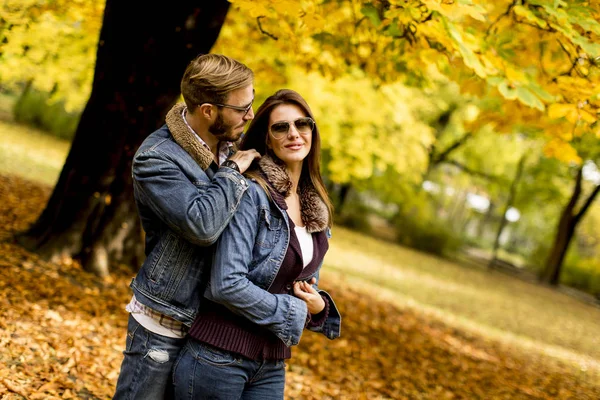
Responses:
[256,138]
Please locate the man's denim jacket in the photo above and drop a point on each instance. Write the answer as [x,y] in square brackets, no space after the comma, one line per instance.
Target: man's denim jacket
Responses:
[247,259]
[183,208]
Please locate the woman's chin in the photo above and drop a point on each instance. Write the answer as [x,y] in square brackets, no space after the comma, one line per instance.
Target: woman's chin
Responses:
[292,161]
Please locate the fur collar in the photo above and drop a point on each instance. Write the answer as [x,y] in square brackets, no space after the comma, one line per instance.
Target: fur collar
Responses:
[315,215]
[186,139]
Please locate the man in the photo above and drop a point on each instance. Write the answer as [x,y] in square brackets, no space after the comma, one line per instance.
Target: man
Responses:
[187,186]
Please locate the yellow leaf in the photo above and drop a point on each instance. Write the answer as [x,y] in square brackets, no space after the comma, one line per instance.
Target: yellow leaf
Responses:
[587,116]
[515,75]
[562,151]
[568,111]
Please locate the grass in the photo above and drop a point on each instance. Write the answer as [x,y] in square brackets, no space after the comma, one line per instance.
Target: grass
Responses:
[489,303]
[517,314]
[31,153]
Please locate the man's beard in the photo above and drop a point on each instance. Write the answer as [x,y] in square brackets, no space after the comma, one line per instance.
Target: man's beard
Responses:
[223,131]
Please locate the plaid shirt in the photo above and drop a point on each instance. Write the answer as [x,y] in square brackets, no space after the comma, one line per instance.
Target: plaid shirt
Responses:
[135,307]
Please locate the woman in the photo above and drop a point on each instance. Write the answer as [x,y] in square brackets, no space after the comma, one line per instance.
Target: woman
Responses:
[262,291]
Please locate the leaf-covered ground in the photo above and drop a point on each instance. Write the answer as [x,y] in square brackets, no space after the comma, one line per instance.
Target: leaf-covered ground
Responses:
[62,332]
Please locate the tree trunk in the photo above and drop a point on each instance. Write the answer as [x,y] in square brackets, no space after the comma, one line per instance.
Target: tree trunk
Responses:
[140,61]
[343,196]
[509,202]
[565,231]
[485,221]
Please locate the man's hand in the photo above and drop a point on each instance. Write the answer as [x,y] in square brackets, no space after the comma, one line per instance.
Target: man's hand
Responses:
[244,158]
[312,298]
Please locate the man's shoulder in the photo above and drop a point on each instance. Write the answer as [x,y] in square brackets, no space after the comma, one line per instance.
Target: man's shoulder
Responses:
[160,139]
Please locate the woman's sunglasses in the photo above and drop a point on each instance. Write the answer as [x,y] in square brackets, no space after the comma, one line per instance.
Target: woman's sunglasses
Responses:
[304,126]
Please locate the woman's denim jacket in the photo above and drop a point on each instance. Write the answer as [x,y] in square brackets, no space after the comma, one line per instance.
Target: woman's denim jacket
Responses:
[184,206]
[247,258]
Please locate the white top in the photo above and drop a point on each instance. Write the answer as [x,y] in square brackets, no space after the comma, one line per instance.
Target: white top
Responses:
[306,244]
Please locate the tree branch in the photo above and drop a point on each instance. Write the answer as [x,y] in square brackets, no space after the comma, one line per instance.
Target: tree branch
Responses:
[263,31]
[480,174]
[489,29]
[587,204]
[577,189]
[443,155]
[573,63]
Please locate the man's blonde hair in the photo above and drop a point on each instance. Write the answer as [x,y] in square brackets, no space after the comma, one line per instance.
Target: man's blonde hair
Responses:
[210,78]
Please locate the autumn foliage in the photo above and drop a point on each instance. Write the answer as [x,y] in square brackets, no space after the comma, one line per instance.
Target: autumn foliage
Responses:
[62,332]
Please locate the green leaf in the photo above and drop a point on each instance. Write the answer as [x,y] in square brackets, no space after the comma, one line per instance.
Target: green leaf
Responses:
[580,15]
[526,97]
[530,16]
[393,30]
[592,49]
[507,91]
[372,13]
[560,3]
[541,93]
[469,57]
[495,80]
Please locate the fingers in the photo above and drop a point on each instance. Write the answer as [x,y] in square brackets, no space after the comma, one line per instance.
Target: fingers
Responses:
[313,280]
[299,292]
[244,158]
[307,287]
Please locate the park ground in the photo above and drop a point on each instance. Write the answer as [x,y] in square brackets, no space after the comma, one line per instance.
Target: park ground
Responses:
[414,326]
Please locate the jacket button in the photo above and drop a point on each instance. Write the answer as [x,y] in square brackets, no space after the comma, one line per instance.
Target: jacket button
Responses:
[288,287]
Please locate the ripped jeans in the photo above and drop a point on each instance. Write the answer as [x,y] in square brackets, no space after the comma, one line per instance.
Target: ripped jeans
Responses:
[146,368]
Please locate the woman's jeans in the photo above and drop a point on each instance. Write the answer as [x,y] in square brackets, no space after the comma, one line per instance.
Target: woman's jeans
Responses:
[146,369]
[205,372]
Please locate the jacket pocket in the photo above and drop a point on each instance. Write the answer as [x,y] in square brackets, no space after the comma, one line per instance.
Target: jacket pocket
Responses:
[163,253]
[269,230]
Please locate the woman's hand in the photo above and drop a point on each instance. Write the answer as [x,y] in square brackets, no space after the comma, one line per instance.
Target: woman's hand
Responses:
[312,298]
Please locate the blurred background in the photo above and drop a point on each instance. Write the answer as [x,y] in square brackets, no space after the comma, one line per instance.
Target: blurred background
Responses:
[420,147]
[461,145]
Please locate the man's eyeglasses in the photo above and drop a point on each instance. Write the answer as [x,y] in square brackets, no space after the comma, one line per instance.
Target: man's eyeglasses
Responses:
[304,126]
[243,109]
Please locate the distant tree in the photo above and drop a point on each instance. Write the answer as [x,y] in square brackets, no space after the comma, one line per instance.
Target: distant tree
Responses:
[572,213]
[143,50]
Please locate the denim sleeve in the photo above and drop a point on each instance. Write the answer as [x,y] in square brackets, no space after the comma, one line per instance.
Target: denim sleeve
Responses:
[197,214]
[331,326]
[282,314]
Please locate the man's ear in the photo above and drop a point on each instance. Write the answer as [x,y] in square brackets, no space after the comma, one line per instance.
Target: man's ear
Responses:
[206,111]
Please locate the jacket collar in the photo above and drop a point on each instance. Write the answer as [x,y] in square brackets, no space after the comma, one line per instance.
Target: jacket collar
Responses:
[315,214]
[186,139]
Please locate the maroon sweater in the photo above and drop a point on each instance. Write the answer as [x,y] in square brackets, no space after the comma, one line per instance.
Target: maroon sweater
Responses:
[218,326]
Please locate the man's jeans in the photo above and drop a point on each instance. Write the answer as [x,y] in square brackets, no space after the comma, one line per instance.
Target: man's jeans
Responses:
[147,366]
[205,372]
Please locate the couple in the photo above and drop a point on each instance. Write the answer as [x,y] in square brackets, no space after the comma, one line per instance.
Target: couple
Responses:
[232,261]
